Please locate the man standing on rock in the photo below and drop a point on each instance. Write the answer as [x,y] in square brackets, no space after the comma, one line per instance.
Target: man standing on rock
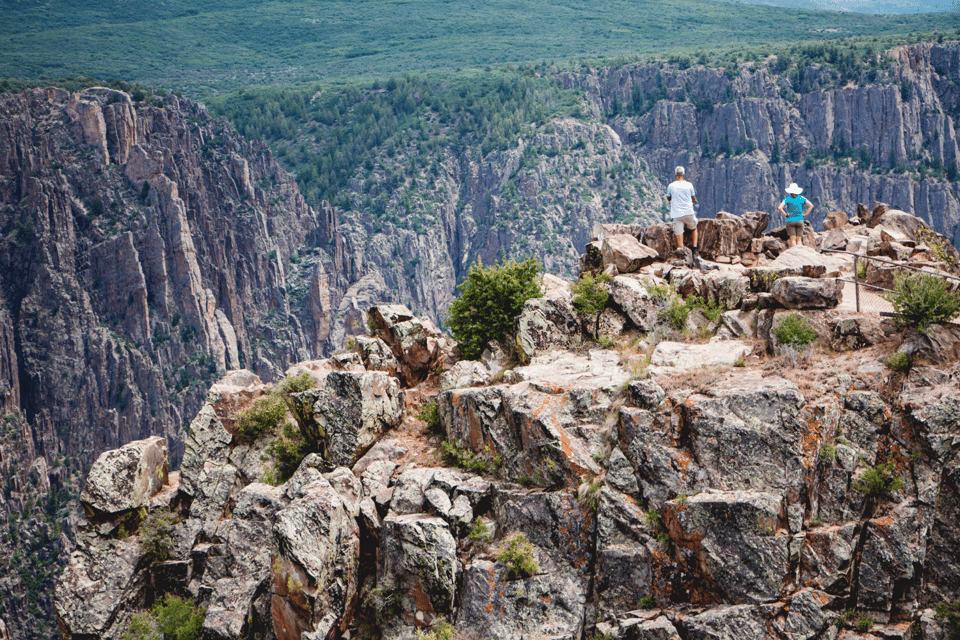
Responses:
[681,196]
[797,208]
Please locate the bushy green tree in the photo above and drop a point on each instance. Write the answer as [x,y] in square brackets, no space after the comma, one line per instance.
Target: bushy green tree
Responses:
[922,299]
[491,299]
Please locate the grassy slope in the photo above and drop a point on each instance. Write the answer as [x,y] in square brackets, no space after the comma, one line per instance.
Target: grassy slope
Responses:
[241,43]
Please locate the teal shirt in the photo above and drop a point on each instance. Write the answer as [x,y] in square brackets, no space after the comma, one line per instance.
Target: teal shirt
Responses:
[793,205]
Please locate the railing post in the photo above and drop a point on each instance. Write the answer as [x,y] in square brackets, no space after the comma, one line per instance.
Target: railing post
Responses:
[856,279]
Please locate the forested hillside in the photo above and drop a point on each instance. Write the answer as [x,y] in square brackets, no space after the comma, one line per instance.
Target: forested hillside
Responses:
[431,173]
[197,48]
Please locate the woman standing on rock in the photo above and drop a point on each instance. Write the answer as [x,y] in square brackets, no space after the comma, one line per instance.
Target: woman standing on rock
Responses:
[797,208]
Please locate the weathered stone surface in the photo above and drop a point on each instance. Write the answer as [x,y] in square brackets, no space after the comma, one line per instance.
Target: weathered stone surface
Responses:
[626,253]
[207,446]
[99,580]
[466,373]
[625,554]
[658,629]
[680,356]
[827,556]
[318,544]
[546,324]
[418,346]
[804,258]
[886,560]
[417,559]
[632,296]
[128,477]
[377,356]
[727,623]
[807,293]
[353,410]
[943,548]
[733,536]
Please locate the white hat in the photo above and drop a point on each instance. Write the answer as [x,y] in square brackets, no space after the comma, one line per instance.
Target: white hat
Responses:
[794,189]
[679,171]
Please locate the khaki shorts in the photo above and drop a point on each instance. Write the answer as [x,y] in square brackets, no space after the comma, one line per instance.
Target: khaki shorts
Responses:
[794,228]
[690,222]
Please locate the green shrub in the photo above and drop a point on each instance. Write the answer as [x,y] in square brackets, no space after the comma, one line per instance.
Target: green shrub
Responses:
[490,301]
[456,455]
[899,361]
[155,535]
[479,531]
[430,413]
[828,452]
[922,299]
[261,418]
[794,331]
[675,314]
[740,362]
[950,614]
[169,619]
[295,384]
[646,602]
[864,623]
[589,294]
[517,554]
[878,480]
[440,630]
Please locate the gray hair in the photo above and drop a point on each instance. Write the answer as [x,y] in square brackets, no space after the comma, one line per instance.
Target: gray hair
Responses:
[679,171]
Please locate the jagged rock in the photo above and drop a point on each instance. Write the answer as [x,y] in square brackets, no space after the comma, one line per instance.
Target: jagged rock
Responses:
[353,410]
[679,356]
[729,235]
[737,324]
[807,293]
[887,559]
[646,394]
[409,490]
[98,581]
[419,347]
[466,373]
[610,324]
[835,220]
[942,577]
[856,332]
[901,224]
[836,239]
[806,618]
[625,554]
[662,469]
[546,324]
[626,253]
[632,295]
[827,556]
[377,356]
[417,560]
[318,543]
[128,477]
[940,343]
[733,535]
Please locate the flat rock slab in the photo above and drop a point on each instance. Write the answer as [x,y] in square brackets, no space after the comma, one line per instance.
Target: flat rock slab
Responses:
[563,371]
[681,356]
[801,256]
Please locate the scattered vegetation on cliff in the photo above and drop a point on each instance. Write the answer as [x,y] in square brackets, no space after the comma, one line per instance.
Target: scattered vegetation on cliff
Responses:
[517,553]
[155,535]
[879,480]
[590,293]
[491,299]
[795,331]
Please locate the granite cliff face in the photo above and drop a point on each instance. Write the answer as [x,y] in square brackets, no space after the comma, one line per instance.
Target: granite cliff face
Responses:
[144,249]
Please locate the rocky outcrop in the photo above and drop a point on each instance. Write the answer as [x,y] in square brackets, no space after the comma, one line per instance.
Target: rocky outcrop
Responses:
[126,478]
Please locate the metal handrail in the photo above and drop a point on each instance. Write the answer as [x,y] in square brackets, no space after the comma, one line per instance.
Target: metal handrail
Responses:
[856,277]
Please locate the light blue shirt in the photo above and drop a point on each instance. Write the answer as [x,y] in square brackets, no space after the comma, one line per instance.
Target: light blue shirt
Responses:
[794,207]
[681,195]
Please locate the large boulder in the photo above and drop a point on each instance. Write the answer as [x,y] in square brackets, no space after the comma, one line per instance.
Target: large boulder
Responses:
[546,324]
[126,478]
[808,293]
[680,356]
[418,346]
[99,580]
[626,253]
[634,297]
[728,234]
[352,411]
